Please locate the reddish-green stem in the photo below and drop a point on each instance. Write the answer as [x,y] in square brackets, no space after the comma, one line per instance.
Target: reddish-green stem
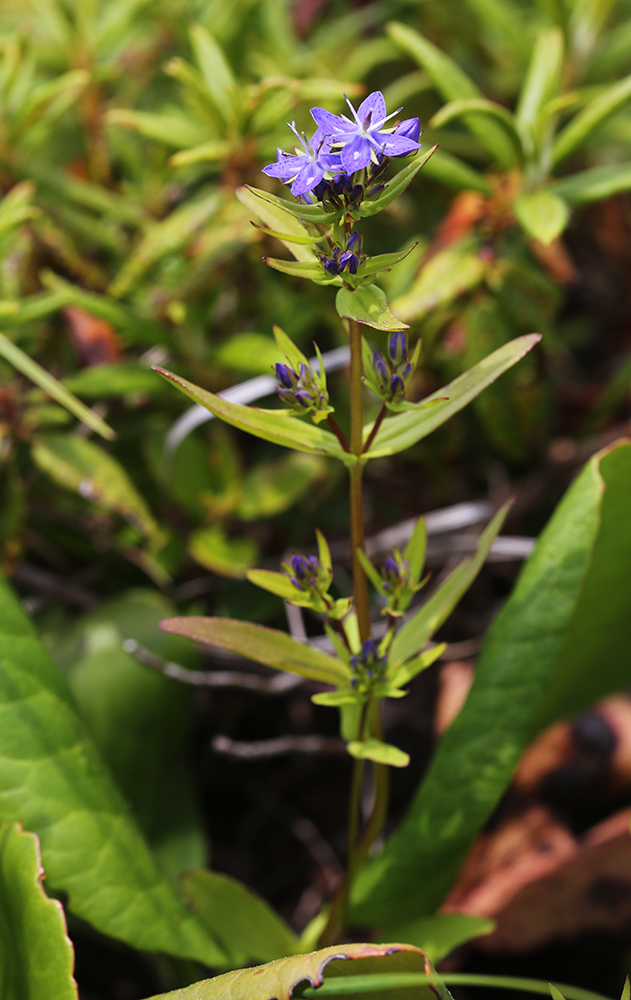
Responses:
[377,424]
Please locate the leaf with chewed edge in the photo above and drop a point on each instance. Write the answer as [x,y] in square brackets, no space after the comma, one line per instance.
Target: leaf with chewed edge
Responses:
[278,980]
[262,645]
[36,955]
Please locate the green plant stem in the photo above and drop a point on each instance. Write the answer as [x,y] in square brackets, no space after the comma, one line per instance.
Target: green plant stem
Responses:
[381,792]
[381,983]
[377,424]
[360,582]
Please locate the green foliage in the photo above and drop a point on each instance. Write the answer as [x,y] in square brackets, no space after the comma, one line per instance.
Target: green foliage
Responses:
[36,956]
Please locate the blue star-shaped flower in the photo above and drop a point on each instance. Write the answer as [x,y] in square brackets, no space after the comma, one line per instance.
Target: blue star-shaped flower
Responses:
[306,167]
[363,139]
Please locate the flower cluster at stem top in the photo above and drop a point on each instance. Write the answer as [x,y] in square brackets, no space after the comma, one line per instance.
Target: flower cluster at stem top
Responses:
[340,147]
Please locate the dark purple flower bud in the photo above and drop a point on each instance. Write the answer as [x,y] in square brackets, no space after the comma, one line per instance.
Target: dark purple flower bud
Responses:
[380,367]
[356,193]
[408,129]
[331,266]
[398,347]
[304,398]
[376,190]
[286,376]
[300,567]
[391,568]
[353,240]
[322,190]
[341,183]
[369,651]
[397,386]
[348,260]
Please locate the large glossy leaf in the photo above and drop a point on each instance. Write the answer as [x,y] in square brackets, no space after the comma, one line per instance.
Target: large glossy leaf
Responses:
[82,466]
[247,927]
[54,782]
[36,957]
[368,305]
[454,85]
[421,626]
[17,357]
[263,645]
[141,721]
[570,610]
[403,430]
[278,980]
[279,426]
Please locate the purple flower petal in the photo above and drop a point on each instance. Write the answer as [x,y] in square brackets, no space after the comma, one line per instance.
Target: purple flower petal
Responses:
[375,106]
[332,124]
[284,168]
[308,178]
[395,145]
[356,154]
[409,129]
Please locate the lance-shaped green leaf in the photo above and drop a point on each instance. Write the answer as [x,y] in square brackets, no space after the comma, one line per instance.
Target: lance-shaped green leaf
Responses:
[454,85]
[278,980]
[590,118]
[541,83]
[396,186]
[82,466]
[17,357]
[53,781]
[542,214]
[247,927]
[455,173]
[383,261]
[213,548]
[36,956]
[278,426]
[441,933]
[218,77]
[307,213]
[593,185]
[312,270]
[571,608]
[379,752]
[367,305]
[279,219]
[212,151]
[421,626]
[281,585]
[403,430]
[261,644]
[462,108]
[407,671]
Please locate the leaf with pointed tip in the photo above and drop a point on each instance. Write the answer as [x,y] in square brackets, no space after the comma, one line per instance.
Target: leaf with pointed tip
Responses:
[261,644]
[384,261]
[278,426]
[36,956]
[407,671]
[405,429]
[311,270]
[334,699]
[542,80]
[379,752]
[288,237]
[247,927]
[367,305]
[415,549]
[594,114]
[450,273]
[441,933]
[396,186]
[455,173]
[54,782]
[420,627]
[279,979]
[542,214]
[307,213]
[278,217]
[220,83]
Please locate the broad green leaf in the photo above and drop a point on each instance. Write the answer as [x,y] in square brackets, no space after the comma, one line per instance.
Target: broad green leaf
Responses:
[415,549]
[82,466]
[455,173]
[542,214]
[277,218]
[454,85]
[571,608]
[542,81]
[273,487]
[164,237]
[279,426]
[141,722]
[440,934]
[120,378]
[53,781]
[261,644]
[396,186]
[215,70]
[214,549]
[170,129]
[16,356]
[464,107]
[403,430]
[379,752]
[593,185]
[589,118]
[367,305]
[246,926]
[36,956]
[278,980]
[447,275]
[420,626]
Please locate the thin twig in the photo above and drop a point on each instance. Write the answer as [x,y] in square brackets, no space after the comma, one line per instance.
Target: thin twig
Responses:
[212,678]
[339,433]
[375,429]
